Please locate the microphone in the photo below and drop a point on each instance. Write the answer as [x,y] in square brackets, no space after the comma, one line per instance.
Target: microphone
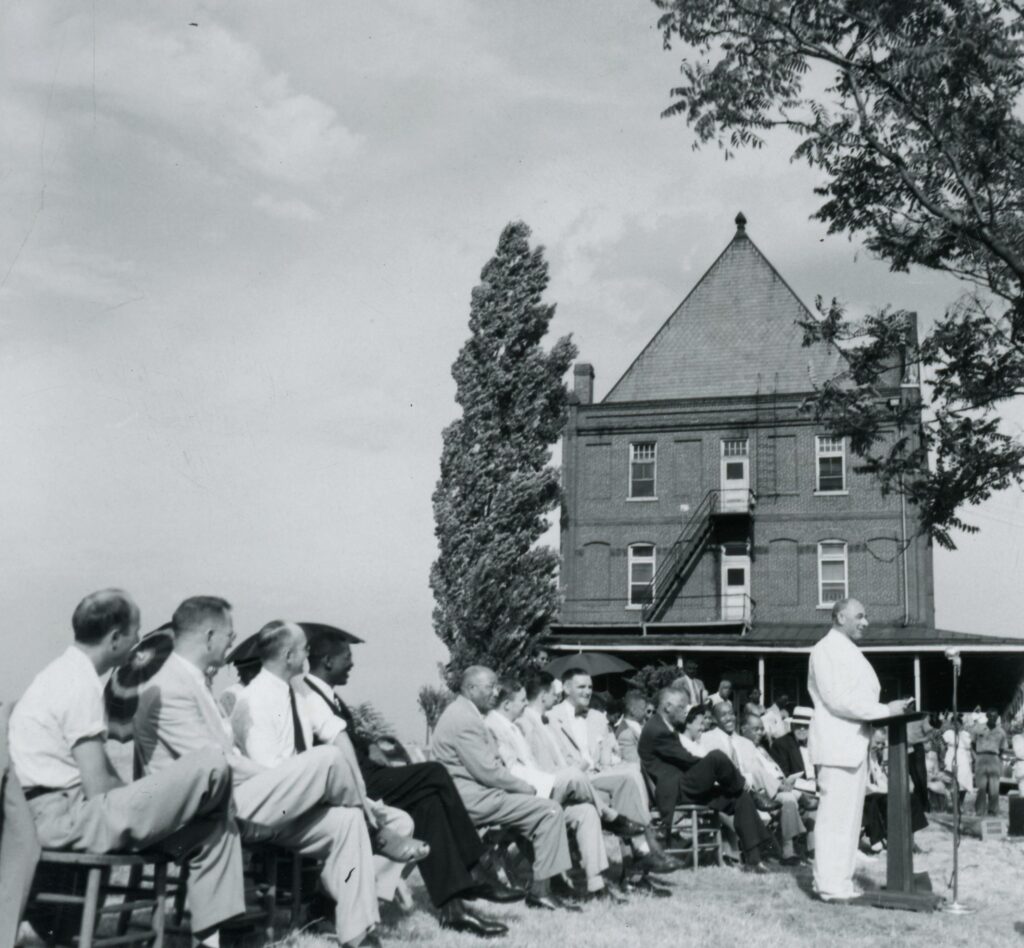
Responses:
[953,654]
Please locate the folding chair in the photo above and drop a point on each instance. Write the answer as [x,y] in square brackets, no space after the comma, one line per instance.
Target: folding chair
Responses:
[59,895]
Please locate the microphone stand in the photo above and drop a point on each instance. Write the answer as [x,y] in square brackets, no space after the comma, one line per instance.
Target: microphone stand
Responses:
[956,907]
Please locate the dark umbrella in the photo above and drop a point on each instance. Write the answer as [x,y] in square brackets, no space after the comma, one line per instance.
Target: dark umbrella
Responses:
[121,694]
[246,652]
[593,663]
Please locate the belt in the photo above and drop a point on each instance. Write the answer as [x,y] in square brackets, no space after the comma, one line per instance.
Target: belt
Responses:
[32,792]
[981,753]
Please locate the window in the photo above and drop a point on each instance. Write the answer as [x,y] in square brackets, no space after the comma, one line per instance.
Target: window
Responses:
[641,575]
[832,577]
[735,448]
[831,461]
[642,464]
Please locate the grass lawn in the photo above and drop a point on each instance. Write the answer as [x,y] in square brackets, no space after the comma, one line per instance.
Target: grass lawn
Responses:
[725,908]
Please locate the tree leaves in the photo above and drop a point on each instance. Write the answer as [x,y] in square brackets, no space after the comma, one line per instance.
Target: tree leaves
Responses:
[919,138]
[495,590]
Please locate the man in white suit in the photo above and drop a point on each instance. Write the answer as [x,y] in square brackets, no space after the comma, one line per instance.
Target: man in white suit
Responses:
[845,691]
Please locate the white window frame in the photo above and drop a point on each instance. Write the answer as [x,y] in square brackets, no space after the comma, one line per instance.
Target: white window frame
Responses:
[631,560]
[653,460]
[833,558]
[827,446]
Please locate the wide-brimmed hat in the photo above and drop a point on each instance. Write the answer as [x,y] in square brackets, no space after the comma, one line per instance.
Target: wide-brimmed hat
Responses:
[801,716]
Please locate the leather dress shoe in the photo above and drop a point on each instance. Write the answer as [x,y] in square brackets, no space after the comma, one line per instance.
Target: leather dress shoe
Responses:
[659,863]
[621,826]
[494,890]
[550,903]
[756,868]
[454,916]
[645,886]
[791,861]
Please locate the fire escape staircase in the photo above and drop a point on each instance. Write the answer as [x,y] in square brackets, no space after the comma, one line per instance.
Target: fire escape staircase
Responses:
[682,557]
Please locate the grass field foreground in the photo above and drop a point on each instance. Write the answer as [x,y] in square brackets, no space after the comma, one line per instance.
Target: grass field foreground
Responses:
[725,908]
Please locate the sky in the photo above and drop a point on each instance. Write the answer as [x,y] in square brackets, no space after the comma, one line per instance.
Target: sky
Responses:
[237,245]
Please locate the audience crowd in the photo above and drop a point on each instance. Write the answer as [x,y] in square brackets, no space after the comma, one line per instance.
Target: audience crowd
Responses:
[536,789]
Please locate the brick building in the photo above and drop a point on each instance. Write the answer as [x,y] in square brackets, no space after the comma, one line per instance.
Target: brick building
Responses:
[707,516]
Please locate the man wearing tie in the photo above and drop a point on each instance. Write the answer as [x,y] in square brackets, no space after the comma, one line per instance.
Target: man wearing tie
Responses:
[452,872]
[845,691]
[273,724]
[306,803]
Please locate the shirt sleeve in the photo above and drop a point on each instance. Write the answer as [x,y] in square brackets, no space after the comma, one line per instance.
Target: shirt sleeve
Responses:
[84,716]
[325,724]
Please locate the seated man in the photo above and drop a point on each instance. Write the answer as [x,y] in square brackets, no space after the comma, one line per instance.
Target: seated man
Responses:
[493,796]
[722,731]
[567,786]
[454,870]
[682,776]
[634,713]
[78,802]
[310,803]
[775,717]
[766,778]
[272,723]
[587,742]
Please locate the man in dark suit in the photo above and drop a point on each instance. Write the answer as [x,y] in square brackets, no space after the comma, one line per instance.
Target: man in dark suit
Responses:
[712,780]
[452,872]
[785,749]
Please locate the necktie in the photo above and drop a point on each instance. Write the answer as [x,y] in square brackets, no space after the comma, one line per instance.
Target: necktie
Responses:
[300,738]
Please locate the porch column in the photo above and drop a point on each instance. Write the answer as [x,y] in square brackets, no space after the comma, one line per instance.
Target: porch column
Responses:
[760,678]
[917,682]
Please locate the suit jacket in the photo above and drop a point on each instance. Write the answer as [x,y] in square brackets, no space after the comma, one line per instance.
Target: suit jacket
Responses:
[629,742]
[542,743]
[845,691]
[762,772]
[465,746]
[515,753]
[602,748]
[785,752]
[177,715]
[665,761]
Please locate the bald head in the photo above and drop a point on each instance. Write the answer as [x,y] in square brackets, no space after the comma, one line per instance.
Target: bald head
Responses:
[282,648]
[480,685]
[103,612]
[724,716]
[849,617]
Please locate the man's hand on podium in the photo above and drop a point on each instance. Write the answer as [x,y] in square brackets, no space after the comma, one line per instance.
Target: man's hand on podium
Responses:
[901,706]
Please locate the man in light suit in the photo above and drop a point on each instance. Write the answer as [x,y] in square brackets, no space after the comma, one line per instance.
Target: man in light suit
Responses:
[845,691]
[766,777]
[628,732]
[309,803]
[568,786]
[586,742]
[491,793]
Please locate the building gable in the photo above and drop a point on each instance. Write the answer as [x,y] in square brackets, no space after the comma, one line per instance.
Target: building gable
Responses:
[736,333]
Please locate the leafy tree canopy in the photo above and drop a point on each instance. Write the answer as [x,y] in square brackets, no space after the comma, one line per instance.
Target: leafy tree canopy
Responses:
[495,589]
[909,109]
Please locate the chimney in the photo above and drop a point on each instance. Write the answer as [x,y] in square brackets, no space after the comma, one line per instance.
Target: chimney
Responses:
[583,383]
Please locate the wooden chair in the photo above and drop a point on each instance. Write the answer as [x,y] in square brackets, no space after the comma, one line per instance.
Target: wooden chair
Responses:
[700,827]
[50,898]
[266,866]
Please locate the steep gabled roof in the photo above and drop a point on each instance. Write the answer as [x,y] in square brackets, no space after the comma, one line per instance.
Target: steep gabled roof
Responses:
[738,322]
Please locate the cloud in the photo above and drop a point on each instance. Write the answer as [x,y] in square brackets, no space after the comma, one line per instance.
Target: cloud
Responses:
[287,209]
[204,90]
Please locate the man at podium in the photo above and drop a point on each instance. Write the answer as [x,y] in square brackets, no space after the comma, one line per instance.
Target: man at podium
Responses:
[845,691]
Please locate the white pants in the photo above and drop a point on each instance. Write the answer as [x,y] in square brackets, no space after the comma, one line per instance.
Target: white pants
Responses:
[837,829]
[584,823]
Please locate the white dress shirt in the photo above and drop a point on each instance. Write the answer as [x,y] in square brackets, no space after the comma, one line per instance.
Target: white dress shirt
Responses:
[263,725]
[515,753]
[61,707]
[692,746]
[717,739]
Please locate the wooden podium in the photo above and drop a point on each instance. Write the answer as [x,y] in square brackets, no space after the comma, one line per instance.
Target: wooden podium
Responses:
[903,889]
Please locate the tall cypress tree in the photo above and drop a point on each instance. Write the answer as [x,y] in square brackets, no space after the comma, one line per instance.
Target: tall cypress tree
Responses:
[495,588]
